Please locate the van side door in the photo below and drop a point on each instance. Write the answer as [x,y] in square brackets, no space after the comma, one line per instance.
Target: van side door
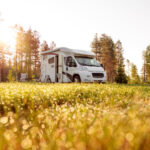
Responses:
[51,68]
[70,68]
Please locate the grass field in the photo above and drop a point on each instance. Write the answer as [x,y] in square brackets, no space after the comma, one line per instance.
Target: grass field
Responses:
[74,116]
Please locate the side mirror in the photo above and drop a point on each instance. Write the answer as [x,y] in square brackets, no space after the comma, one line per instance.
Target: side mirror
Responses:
[70,64]
[102,65]
[74,64]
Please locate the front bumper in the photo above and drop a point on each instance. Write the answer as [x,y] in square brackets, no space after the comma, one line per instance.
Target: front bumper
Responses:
[89,78]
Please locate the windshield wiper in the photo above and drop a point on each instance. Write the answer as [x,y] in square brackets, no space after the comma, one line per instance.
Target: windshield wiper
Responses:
[83,64]
[89,65]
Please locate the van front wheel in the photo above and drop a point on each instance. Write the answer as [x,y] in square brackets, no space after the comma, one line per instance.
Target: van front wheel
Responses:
[76,79]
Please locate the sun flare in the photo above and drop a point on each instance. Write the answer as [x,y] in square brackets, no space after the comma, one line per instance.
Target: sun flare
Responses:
[7,36]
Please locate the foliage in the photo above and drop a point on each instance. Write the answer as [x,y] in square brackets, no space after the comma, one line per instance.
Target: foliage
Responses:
[135,79]
[121,76]
[146,65]
[104,48]
[108,57]
[11,77]
[44,46]
[27,51]
[95,45]
[120,71]
[52,45]
[74,116]
[128,70]
[4,50]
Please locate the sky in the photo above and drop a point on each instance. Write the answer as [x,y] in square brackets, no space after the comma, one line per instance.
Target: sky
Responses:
[73,23]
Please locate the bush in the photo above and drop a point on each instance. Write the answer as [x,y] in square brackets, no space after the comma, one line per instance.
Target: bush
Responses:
[11,77]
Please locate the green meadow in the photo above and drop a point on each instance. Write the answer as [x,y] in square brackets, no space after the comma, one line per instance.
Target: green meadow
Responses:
[37,116]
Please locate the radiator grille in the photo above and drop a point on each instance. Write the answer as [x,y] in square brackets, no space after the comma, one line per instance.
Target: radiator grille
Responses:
[97,75]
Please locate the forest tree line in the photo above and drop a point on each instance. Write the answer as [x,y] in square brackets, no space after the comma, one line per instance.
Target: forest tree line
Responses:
[26,58]
[119,70]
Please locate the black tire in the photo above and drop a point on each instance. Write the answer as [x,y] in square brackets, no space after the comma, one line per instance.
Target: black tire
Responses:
[47,80]
[76,79]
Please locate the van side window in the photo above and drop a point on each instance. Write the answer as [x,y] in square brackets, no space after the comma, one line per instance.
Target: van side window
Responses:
[70,62]
[44,57]
[51,60]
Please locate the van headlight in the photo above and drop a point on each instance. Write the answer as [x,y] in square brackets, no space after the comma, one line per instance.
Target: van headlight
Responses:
[88,76]
[83,68]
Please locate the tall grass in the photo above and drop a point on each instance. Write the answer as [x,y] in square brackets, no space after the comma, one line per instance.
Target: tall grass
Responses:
[74,116]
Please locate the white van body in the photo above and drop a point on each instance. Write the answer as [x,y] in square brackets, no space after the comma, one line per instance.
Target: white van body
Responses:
[69,65]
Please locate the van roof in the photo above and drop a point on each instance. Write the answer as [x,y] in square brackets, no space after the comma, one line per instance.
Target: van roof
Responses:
[68,50]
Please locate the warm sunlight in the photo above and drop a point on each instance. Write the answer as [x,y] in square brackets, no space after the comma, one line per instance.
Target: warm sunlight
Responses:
[75,74]
[7,35]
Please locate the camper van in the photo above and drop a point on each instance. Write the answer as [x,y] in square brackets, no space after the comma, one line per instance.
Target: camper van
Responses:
[69,65]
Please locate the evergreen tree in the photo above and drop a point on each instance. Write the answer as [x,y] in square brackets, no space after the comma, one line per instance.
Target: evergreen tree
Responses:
[11,77]
[35,44]
[3,67]
[134,74]
[19,48]
[146,65]
[95,45]
[120,71]
[104,48]
[27,52]
[52,45]
[108,56]
[128,67]
[143,70]
[128,70]
[19,62]
[44,46]
[3,62]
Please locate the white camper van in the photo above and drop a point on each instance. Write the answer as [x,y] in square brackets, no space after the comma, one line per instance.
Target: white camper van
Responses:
[70,65]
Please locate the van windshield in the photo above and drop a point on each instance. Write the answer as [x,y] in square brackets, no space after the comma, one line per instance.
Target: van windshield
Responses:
[87,61]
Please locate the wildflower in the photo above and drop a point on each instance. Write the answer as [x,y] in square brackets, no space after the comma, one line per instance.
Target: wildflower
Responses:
[43,126]
[25,126]
[26,143]
[4,120]
[10,113]
[11,120]
[129,136]
[7,135]
[40,116]
[34,131]
[24,121]
[15,129]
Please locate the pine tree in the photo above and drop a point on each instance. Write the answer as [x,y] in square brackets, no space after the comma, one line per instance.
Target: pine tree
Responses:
[146,65]
[27,52]
[128,70]
[44,46]
[11,77]
[143,70]
[108,56]
[95,45]
[52,45]
[19,62]
[3,62]
[120,71]
[135,79]
[35,44]
[128,67]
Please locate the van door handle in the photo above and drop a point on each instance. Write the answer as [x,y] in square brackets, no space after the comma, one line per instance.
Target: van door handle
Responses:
[67,68]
